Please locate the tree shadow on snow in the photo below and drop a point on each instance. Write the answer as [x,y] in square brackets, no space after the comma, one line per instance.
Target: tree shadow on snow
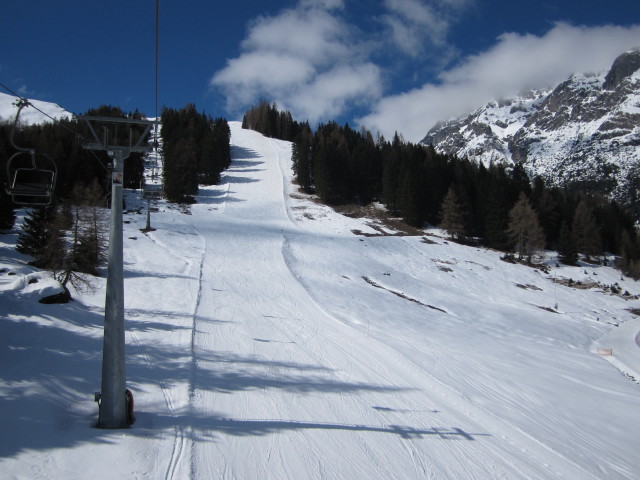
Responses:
[50,371]
[206,429]
[235,179]
[48,377]
[240,154]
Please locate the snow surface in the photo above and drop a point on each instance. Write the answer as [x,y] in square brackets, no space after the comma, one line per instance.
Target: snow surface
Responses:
[29,115]
[266,340]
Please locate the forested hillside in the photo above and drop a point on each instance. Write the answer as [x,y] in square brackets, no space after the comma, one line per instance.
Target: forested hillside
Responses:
[494,205]
[68,236]
[76,167]
[195,151]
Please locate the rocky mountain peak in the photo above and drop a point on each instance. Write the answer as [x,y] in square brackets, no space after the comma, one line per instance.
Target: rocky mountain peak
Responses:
[623,67]
[585,132]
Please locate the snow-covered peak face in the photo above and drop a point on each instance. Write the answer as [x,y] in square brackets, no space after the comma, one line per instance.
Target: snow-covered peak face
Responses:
[584,131]
[625,66]
[29,115]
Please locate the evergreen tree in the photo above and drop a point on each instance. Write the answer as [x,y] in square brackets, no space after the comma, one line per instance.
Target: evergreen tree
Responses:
[7,210]
[630,254]
[301,159]
[494,209]
[390,177]
[567,251]
[266,119]
[408,196]
[585,230]
[53,253]
[180,171]
[33,238]
[196,150]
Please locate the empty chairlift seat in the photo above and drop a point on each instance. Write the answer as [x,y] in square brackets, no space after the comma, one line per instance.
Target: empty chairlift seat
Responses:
[32,178]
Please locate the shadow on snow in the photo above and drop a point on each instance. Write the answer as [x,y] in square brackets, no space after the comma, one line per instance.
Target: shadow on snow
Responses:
[206,429]
[49,374]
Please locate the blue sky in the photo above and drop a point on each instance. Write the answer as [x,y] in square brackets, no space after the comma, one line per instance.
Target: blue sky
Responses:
[386,64]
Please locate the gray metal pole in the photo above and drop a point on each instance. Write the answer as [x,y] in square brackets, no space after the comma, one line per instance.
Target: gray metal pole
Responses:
[113,407]
[148,213]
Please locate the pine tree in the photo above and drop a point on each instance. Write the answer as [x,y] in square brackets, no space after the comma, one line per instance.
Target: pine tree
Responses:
[52,256]
[568,253]
[35,231]
[301,158]
[524,229]
[586,231]
[494,209]
[7,210]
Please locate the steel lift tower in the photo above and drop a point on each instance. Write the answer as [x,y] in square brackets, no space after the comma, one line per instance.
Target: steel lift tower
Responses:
[115,402]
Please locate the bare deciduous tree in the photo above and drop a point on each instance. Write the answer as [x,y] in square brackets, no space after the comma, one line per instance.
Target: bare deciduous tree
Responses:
[524,229]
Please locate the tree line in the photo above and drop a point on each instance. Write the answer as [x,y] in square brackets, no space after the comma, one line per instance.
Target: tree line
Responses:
[196,150]
[62,141]
[497,206]
[69,236]
[267,119]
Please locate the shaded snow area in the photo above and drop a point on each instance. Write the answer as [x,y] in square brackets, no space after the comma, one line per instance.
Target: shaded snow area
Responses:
[266,340]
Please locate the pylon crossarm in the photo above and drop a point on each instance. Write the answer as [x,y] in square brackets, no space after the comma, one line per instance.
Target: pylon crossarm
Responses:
[106,144]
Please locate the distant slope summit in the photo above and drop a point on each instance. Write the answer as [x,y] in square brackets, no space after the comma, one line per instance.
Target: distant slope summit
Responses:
[30,116]
[584,132]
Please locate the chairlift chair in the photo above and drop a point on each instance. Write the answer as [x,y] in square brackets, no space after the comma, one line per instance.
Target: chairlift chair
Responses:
[30,183]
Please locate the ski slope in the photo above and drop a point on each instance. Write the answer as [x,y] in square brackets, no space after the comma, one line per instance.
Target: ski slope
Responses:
[266,340]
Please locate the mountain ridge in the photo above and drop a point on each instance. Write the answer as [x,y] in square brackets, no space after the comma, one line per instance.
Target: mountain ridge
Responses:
[583,133]
[31,116]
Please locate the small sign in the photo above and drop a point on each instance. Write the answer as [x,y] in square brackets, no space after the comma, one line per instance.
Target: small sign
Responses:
[152,190]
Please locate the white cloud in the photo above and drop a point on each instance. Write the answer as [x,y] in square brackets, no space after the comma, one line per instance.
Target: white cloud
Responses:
[330,93]
[312,34]
[517,62]
[258,73]
[326,4]
[311,61]
[414,25]
[306,59]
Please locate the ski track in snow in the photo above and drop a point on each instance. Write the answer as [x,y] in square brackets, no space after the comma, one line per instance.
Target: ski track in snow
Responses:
[201,465]
[261,353]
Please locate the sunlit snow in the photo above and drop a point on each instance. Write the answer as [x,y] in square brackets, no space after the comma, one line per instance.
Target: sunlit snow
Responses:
[266,340]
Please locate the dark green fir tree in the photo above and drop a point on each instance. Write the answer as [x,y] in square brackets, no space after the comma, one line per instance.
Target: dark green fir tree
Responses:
[35,232]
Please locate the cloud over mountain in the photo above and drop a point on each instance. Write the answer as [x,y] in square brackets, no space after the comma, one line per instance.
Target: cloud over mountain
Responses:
[517,62]
[320,59]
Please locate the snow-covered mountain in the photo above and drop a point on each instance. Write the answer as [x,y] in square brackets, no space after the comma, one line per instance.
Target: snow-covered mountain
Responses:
[29,115]
[585,131]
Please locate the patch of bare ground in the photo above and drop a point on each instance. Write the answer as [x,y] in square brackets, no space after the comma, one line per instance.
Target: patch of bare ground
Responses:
[379,219]
[586,285]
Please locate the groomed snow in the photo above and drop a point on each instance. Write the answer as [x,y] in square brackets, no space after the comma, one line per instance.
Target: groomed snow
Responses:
[266,340]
